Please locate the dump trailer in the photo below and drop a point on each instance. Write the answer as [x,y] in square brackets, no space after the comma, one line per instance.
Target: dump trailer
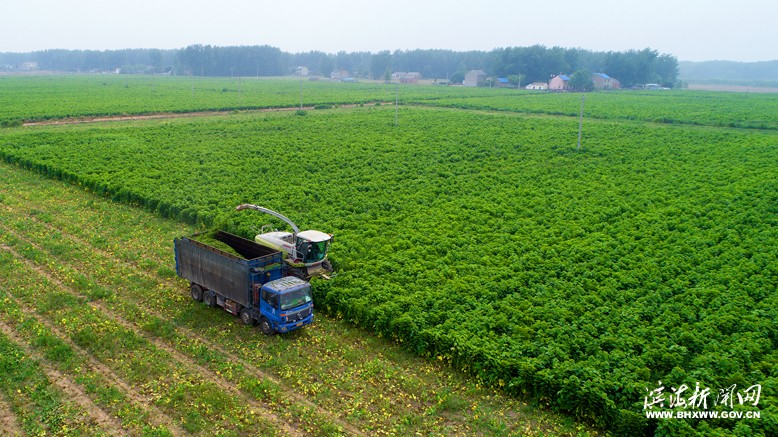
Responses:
[248,283]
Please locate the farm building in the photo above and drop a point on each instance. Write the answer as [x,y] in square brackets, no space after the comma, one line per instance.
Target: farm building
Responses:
[503,82]
[301,71]
[537,86]
[406,77]
[559,83]
[604,82]
[474,78]
[339,75]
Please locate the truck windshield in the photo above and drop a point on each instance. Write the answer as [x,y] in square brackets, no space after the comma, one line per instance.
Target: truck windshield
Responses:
[295,298]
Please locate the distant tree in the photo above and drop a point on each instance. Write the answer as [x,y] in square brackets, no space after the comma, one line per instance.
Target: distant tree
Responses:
[533,63]
[666,70]
[516,79]
[581,80]
[344,61]
[155,58]
[457,77]
[426,72]
[326,65]
[379,63]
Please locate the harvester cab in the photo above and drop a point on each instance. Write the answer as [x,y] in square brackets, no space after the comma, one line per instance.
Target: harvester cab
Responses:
[305,253]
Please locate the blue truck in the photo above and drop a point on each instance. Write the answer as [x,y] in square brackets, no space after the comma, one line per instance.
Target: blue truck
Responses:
[249,285]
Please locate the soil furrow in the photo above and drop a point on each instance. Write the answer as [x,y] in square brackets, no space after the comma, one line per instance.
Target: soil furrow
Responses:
[157,417]
[8,423]
[211,345]
[71,390]
[182,359]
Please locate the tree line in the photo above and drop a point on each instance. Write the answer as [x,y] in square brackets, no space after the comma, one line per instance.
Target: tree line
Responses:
[526,64]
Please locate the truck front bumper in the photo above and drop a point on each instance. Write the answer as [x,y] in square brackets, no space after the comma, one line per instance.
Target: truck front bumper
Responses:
[286,327]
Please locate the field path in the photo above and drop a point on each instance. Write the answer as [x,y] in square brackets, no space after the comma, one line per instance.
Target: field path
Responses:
[8,424]
[166,115]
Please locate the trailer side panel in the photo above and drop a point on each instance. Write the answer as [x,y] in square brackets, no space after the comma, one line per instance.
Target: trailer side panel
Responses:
[228,276]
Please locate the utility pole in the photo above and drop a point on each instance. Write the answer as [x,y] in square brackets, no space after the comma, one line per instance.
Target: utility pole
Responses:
[580,122]
[396,101]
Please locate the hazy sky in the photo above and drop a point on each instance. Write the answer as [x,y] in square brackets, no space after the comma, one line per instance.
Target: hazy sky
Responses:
[692,30]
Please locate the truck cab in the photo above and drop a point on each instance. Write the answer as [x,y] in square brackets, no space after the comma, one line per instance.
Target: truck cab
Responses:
[312,246]
[307,251]
[284,304]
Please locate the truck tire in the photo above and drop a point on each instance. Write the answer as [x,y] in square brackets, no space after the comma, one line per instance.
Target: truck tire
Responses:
[197,292]
[246,318]
[266,327]
[210,299]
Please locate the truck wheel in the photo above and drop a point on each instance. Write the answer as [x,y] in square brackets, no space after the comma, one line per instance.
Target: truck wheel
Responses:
[209,299]
[266,327]
[245,317]
[197,292]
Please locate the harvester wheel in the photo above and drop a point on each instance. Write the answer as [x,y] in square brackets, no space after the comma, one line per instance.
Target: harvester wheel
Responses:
[327,265]
[197,292]
[300,272]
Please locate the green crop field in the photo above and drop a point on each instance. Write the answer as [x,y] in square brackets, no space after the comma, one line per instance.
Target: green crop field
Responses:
[669,107]
[99,337]
[41,98]
[473,233]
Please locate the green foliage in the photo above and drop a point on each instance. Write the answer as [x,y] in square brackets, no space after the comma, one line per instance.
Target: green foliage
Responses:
[11,123]
[458,77]
[516,79]
[354,381]
[485,240]
[42,98]
[670,107]
[631,67]
[581,80]
[41,406]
